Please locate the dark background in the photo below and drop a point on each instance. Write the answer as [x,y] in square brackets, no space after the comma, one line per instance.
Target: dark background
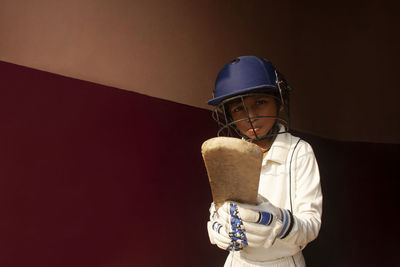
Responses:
[96,176]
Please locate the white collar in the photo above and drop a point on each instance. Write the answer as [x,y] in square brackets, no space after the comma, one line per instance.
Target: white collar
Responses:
[280,148]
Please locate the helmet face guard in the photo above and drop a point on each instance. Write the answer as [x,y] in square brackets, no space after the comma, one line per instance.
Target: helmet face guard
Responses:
[248,76]
[228,127]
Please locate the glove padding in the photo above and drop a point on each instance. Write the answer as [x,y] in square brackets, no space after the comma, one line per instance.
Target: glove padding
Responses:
[218,235]
[262,223]
[229,236]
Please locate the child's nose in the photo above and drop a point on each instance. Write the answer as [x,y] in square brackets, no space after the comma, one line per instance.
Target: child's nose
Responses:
[252,111]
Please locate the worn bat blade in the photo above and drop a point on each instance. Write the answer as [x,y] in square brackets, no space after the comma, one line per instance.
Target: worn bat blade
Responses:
[233,167]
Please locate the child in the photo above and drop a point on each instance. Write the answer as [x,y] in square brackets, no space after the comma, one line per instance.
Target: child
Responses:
[251,101]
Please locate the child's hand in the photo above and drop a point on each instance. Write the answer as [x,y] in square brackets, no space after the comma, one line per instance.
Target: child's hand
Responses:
[219,234]
[262,223]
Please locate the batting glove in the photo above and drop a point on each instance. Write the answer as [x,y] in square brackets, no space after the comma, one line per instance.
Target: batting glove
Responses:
[262,223]
[227,236]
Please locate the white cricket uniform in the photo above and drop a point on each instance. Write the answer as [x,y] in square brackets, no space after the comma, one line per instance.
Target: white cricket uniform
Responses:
[290,180]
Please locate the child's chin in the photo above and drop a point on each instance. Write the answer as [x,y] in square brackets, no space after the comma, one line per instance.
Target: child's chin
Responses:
[251,135]
[254,136]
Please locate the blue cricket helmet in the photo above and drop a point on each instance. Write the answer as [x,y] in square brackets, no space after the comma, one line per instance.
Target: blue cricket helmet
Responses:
[243,75]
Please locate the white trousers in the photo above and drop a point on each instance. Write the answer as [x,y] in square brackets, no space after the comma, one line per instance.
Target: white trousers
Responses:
[234,260]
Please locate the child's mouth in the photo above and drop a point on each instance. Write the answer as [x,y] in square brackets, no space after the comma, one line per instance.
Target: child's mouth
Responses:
[253,131]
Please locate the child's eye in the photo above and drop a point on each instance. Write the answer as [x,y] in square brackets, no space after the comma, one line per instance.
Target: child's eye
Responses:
[237,109]
[261,101]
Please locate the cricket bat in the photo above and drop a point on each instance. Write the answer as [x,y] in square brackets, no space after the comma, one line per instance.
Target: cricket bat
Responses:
[233,167]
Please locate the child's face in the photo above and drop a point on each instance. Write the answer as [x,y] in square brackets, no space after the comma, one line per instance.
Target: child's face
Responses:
[256,105]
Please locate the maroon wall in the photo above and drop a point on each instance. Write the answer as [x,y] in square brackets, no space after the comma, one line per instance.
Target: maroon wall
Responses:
[96,176]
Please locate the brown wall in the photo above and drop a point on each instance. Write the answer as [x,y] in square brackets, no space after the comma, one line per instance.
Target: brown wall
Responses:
[341,57]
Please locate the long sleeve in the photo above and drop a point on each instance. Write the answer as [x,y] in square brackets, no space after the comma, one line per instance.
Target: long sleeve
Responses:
[306,197]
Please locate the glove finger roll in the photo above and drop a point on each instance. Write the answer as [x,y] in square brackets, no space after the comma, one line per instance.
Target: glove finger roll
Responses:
[248,215]
[257,229]
[224,241]
[244,214]
[223,216]
[220,238]
[255,240]
[219,228]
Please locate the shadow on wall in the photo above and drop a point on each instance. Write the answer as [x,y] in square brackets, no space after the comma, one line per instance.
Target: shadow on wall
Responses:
[359,182]
[96,176]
